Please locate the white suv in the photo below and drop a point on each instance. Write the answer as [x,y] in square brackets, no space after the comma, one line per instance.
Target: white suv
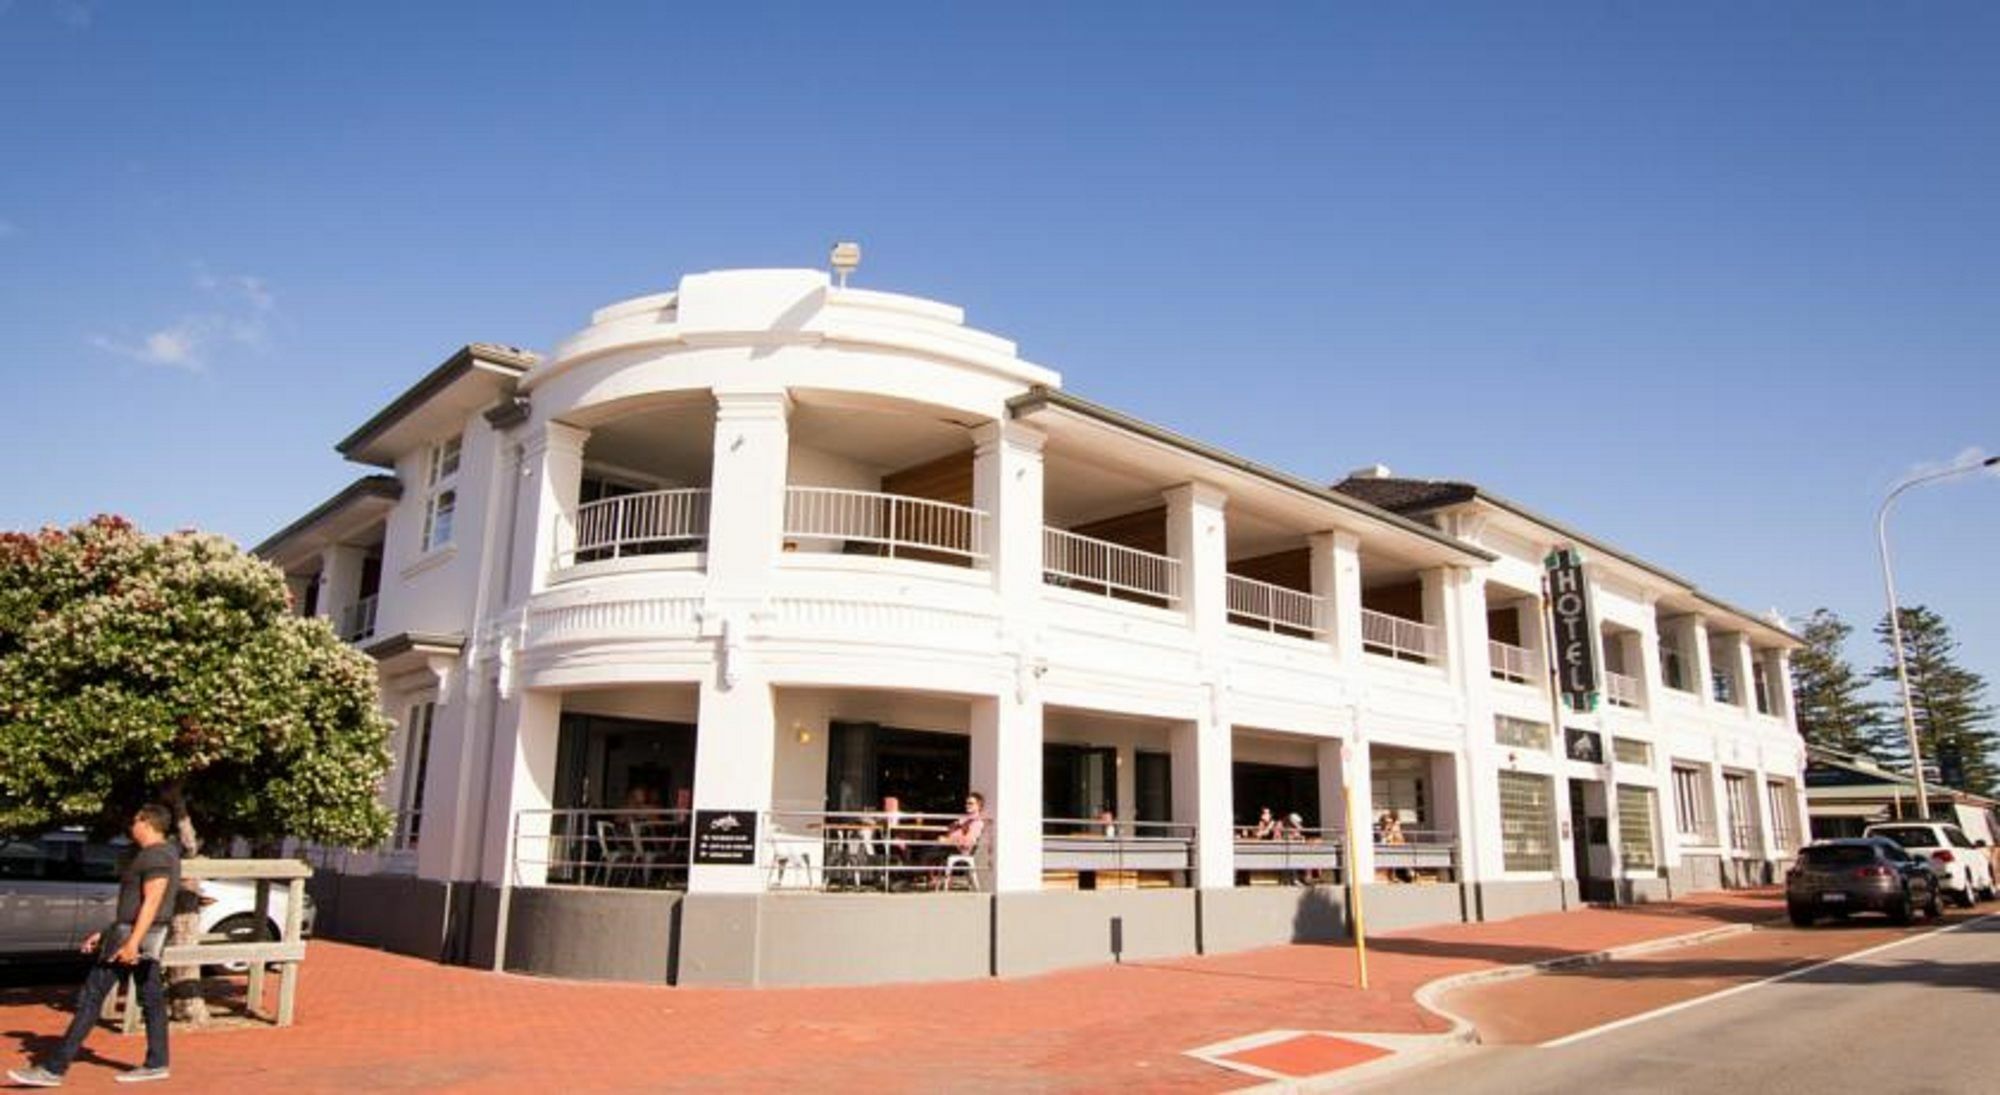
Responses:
[1964,869]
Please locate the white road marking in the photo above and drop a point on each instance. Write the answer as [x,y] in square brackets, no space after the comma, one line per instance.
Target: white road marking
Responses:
[1660,1012]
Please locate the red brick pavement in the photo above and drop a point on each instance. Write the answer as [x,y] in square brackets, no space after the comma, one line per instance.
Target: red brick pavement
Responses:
[369,1020]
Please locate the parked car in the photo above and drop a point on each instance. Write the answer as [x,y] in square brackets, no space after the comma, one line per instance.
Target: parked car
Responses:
[1869,874]
[57,888]
[1964,868]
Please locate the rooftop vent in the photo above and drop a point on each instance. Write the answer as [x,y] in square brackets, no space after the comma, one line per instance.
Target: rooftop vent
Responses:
[1372,471]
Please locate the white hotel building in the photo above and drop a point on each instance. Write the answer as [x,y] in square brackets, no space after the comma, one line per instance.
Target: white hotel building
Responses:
[791,551]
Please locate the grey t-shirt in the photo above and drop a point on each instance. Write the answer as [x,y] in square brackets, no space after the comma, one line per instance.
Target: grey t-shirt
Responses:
[162,860]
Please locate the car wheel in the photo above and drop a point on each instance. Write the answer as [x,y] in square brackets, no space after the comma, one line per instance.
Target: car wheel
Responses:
[1964,896]
[241,928]
[1801,916]
[1899,910]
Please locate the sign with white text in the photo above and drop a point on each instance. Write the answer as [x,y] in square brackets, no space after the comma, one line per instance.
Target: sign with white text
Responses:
[725,838]
[1569,619]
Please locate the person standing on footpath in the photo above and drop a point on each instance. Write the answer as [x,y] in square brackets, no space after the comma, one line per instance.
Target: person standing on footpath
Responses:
[130,943]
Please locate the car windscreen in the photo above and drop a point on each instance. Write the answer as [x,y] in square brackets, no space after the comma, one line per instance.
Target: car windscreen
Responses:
[1909,836]
[1838,855]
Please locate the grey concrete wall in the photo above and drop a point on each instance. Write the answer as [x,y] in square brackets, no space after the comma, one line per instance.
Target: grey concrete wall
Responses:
[718,940]
[477,937]
[1643,891]
[601,935]
[859,939]
[399,913]
[1267,916]
[1506,900]
[1695,874]
[1053,929]
[1387,906]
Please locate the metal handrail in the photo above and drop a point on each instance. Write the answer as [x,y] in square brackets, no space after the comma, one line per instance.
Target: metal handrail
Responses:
[1419,850]
[1512,663]
[357,621]
[637,848]
[1099,566]
[653,522]
[890,523]
[1304,854]
[1275,608]
[1397,637]
[408,827]
[1156,848]
[866,851]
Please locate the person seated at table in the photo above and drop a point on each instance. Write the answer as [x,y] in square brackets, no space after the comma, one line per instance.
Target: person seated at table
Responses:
[1389,830]
[1107,824]
[1267,826]
[1294,828]
[961,837]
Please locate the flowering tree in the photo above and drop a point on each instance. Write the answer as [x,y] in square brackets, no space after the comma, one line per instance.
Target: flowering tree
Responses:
[135,667]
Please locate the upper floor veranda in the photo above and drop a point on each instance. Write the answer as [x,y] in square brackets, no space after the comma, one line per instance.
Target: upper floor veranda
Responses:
[765,451]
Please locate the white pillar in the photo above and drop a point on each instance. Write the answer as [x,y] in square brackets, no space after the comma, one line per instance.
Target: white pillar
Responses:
[1703,665]
[747,491]
[735,748]
[1358,780]
[523,773]
[1007,486]
[339,580]
[1198,538]
[1336,575]
[1440,612]
[1746,672]
[1007,770]
[1204,796]
[545,516]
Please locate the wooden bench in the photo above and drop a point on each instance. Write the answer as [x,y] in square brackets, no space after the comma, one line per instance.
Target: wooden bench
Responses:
[288,951]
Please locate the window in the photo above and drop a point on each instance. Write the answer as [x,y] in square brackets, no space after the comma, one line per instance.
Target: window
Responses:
[1736,790]
[1527,822]
[1778,797]
[1512,731]
[1763,689]
[1723,687]
[416,759]
[1635,828]
[441,503]
[1631,751]
[1957,838]
[1691,805]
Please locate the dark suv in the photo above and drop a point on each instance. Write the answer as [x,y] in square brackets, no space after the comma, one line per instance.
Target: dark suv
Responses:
[1837,877]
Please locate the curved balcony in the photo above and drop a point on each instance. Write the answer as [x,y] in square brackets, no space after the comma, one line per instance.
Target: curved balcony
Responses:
[658,522]
[854,522]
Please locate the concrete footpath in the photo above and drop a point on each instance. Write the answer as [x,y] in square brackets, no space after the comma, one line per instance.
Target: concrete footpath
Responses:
[369,1020]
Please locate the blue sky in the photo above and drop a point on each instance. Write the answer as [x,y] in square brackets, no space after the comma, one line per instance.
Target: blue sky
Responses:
[1704,280]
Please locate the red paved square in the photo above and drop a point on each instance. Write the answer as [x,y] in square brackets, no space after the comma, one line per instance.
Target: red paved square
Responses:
[1308,1055]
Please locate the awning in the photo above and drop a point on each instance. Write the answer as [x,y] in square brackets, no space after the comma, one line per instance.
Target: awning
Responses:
[1848,809]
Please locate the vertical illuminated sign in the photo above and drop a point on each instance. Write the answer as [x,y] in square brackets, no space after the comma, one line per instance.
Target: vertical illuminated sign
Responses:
[1568,600]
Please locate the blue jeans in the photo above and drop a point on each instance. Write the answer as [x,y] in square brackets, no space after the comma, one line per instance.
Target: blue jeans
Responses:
[90,1004]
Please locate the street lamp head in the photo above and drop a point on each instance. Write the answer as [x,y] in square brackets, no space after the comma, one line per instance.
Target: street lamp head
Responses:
[1989,461]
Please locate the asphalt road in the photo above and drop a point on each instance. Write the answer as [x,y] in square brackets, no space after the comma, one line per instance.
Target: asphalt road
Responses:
[1920,1017]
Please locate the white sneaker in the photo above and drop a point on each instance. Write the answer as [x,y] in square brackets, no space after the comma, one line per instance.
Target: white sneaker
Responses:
[140,1075]
[35,1076]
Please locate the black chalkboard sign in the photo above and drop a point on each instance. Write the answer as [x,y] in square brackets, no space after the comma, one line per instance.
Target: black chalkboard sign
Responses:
[725,838]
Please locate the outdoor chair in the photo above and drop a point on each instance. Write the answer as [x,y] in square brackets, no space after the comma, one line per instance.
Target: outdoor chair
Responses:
[613,854]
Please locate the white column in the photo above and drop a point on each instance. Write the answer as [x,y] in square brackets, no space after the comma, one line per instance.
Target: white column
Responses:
[1197,536]
[1007,770]
[523,774]
[1650,680]
[1766,847]
[1778,677]
[1007,486]
[1472,782]
[1746,672]
[339,580]
[746,506]
[735,748]
[1357,778]
[1336,575]
[1702,664]
[1203,796]
[1440,612]
[545,516]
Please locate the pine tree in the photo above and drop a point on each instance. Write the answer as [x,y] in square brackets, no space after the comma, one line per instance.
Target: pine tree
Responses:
[1954,722]
[1832,712]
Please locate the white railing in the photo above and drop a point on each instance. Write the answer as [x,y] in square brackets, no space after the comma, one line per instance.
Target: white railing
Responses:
[1275,608]
[1512,663]
[1621,690]
[1099,566]
[409,827]
[653,523]
[357,621]
[830,519]
[1396,637]
[640,848]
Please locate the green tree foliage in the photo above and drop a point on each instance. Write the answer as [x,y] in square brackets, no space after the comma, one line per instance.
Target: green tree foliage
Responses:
[1832,711]
[135,667]
[1954,722]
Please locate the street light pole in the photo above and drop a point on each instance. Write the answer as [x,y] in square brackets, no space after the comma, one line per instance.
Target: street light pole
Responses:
[1896,622]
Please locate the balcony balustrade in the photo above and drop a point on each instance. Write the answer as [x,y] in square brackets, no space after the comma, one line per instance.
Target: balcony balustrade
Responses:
[853,522]
[357,621]
[1113,570]
[1395,637]
[1621,690]
[1275,608]
[652,523]
[1512,663]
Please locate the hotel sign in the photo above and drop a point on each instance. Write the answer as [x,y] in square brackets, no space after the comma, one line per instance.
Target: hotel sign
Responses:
[725,838]
[1569,617]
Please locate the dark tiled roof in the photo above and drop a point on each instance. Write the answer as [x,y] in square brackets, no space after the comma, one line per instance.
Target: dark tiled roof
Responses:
[368,486]
[508,357]
[1407,496]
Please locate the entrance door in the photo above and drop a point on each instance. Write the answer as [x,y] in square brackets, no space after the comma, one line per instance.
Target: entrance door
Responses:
[1590,837]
